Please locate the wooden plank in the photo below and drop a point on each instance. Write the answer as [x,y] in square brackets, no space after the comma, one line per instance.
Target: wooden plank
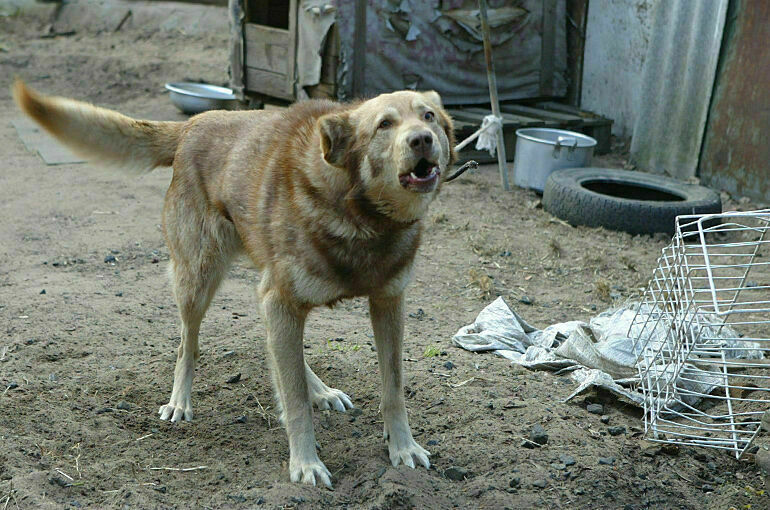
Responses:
[292,60]
[577,19]
[548,47]
[236,14]
[509,117]
[267,48]
[563,119]
[268,83]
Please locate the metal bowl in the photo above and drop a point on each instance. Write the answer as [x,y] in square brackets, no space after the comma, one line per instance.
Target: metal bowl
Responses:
[194,98]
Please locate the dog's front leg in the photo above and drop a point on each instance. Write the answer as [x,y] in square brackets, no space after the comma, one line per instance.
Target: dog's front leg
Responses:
[387,315]
[285,324]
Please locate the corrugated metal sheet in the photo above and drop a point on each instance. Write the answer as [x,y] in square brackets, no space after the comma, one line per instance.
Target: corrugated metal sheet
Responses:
[617,38]
[736,155]
[676,88]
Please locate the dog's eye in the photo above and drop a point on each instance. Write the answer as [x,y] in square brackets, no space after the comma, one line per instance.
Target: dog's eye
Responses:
[428,116]
[385,124]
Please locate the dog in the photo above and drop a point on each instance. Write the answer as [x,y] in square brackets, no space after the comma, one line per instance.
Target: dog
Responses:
[325,198]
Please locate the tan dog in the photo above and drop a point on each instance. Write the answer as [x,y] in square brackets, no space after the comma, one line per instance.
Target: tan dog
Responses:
[325,198]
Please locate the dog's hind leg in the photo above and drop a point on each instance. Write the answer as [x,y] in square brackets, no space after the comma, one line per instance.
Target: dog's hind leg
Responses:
[387,315]
[201,245]
[323,396]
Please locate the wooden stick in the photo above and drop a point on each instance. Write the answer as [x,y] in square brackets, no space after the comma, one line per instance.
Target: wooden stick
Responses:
[492,79]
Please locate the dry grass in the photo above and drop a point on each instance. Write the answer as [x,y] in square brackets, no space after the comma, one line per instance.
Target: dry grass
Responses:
[602,289]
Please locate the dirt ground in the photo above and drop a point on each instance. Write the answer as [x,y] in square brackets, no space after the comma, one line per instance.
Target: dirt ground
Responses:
[88,334]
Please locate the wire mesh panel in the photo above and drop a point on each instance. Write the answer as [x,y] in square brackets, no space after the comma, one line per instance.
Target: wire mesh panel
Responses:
[702,333]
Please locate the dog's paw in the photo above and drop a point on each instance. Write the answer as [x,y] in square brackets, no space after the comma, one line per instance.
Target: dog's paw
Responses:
[330,398]
[403,449]
[313,472]
[176,411]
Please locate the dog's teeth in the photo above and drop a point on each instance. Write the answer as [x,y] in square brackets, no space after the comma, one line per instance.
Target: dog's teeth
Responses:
[413,176]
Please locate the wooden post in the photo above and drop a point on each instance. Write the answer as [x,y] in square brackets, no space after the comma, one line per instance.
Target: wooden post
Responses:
[502,163]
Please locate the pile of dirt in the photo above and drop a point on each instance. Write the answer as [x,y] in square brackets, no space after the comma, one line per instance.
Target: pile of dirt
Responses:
[89,333]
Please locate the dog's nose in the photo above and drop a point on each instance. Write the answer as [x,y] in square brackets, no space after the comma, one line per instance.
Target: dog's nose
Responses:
[420,142]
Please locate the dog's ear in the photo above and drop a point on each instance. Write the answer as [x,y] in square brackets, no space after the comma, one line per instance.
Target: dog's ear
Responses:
[444,120]
[432,97]
[336,136]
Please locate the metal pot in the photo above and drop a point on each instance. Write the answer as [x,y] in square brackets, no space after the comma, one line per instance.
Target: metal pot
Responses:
[541,151]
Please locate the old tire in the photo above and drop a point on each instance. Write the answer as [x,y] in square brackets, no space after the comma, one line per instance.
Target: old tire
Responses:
[634,202]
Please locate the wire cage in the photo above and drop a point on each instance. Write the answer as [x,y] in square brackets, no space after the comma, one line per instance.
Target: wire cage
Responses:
[702,333]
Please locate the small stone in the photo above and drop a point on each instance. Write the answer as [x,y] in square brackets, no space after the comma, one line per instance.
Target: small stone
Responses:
[449,365]
[75,503]
[456,473]
[123,405]
[42,291]
[297,499]
[708,487]
[234,379]
[110,259]
[719,480]
[104,410]
[526,443]
[52,377]
[356,433]
[616,431]
[595,408]
[567,460]
[605,419]
[593,308]
[237,498]
[432,442]
[607,461]
[356,411]
[579,491]
[118,294]
[29,341]
[228,354]
[711,466]
[540,484]
[61,482]
[762,458]
[538,435]
[525,300]
[162,489]
[260,501]
[241,419]
[515,482]
[558,466]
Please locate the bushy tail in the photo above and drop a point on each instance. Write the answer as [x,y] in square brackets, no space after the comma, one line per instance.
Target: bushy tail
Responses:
[100,134]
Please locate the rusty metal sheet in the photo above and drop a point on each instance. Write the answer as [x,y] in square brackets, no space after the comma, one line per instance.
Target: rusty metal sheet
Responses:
[736,155]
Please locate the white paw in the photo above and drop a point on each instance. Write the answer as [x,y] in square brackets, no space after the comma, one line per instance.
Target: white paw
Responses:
[313,472]
[329,398]
[403,449]
[177,409]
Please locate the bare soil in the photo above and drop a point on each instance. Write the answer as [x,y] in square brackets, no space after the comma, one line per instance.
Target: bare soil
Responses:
[88,335]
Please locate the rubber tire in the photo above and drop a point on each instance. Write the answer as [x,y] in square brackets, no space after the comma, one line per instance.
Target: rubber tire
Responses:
[565,197]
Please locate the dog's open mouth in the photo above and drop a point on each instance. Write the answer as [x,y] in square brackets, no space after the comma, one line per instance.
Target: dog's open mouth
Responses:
[422,178]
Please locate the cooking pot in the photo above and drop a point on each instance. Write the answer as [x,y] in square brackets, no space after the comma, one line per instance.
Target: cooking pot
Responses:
[541,151]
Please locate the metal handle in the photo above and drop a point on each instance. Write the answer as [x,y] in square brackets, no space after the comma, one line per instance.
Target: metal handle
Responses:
[569,142]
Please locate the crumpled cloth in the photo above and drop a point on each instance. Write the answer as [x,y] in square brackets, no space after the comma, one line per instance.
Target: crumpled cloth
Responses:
[604,352]
[487,139]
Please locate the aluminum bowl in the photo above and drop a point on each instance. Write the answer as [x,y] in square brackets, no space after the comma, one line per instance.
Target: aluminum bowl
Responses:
[194,98]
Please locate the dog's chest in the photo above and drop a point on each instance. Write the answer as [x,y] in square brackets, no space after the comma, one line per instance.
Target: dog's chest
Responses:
[334,269]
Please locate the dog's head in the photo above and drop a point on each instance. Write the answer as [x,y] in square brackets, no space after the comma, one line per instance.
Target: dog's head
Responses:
[398,147]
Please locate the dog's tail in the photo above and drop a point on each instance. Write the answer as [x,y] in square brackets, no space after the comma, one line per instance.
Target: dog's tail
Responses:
[100,134]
